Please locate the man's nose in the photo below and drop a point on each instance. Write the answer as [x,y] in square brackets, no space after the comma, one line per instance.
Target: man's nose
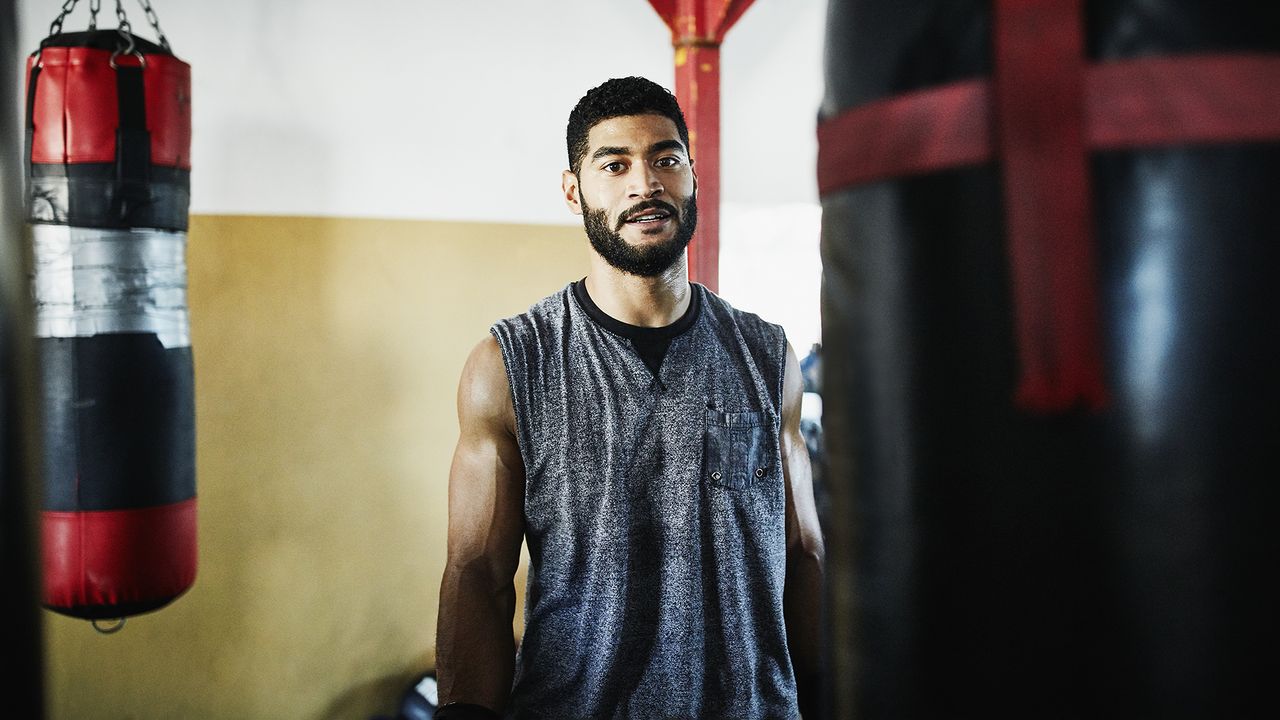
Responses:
[645,183]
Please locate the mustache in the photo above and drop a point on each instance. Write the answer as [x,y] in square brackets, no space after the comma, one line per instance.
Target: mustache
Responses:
[643,206]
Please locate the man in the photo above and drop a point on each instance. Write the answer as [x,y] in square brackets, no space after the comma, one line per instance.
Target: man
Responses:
[643,436]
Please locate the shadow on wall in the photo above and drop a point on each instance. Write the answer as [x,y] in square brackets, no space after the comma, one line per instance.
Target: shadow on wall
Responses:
[354,703]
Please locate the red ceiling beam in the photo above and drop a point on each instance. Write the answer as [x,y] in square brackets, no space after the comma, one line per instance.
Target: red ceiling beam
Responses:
[697,29]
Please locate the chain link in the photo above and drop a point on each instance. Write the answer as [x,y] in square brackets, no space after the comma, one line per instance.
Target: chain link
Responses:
[155,23]
[94,7]
[67,7]
[123,27]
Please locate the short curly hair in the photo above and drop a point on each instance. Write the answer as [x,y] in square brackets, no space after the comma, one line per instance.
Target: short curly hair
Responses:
[619,97]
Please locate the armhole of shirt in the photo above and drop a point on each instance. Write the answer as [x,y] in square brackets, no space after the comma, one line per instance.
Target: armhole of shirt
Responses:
[782,380]
[524,433]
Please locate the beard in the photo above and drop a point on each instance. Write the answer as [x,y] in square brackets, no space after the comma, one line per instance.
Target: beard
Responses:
[647,261]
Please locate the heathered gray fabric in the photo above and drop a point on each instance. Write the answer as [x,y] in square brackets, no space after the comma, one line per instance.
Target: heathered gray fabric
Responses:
[654,512]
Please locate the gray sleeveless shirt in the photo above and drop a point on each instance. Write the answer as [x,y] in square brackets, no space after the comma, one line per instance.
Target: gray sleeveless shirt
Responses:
[654,514]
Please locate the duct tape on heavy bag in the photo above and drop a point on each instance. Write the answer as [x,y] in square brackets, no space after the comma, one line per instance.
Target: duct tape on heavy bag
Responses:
[108,138]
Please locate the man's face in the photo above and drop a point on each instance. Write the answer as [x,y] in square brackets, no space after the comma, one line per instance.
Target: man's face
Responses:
[636,192]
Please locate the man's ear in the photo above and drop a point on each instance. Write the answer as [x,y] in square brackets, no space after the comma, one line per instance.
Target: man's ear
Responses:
[569,184]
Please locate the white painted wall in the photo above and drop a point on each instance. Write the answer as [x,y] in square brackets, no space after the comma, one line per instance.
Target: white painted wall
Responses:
[453,109]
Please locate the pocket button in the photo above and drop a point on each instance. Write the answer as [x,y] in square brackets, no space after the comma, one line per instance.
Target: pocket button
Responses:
[715,475]
[759,472]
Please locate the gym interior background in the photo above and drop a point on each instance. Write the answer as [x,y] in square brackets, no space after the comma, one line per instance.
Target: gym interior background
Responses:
[373,184]
[1051,399]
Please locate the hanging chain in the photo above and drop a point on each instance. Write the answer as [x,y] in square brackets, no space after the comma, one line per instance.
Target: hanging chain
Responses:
[67,7]
[155,24]
[124,28]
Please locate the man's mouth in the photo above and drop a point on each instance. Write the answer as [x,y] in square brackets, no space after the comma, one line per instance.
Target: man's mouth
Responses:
[647,218]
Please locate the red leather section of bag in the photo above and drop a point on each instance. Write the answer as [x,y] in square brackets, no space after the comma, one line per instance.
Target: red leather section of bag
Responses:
[168,88]
[75,114]
[118,557]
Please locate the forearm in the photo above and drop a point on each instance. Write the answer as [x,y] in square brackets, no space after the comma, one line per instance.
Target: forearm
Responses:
[802,607]
[475,645]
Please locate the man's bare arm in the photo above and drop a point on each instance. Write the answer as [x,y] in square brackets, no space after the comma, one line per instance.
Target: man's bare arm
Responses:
[802,597]
[475,648]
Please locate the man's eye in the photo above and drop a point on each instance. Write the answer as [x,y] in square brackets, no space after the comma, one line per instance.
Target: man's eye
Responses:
[612,167]
[667,162]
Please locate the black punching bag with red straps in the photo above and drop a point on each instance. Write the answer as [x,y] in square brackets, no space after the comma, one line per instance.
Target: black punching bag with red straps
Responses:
[1051,250]
[108,143]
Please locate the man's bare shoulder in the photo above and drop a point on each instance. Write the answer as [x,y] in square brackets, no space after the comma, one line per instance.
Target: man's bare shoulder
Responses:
[484,394]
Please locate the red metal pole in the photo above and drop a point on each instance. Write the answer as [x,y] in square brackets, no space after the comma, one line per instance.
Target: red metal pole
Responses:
[698,90]
[697,29]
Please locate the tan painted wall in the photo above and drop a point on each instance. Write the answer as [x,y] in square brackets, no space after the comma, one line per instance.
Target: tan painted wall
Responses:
[327,355]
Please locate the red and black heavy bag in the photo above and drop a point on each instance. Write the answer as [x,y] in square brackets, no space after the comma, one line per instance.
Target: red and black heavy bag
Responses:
[108,169]
[1051,252]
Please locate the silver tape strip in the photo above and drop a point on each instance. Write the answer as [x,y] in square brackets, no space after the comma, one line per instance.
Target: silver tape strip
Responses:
[90,281]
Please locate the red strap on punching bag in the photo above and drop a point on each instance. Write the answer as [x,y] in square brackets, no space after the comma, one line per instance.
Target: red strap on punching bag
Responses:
[1184,99]
[1129,103]
[1040,131]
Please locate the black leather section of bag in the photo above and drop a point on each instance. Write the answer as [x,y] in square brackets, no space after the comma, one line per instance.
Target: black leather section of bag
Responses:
[119,422]
[90,195]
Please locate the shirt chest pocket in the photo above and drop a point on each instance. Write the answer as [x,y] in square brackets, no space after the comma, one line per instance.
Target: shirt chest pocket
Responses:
[736,449]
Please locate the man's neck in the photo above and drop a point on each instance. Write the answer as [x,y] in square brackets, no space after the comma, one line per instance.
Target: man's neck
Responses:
[643,301]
